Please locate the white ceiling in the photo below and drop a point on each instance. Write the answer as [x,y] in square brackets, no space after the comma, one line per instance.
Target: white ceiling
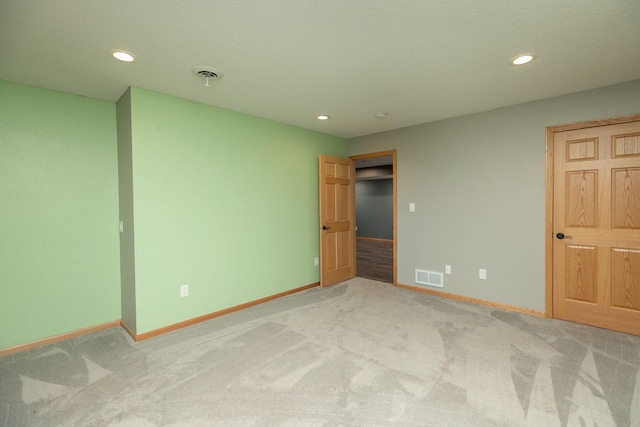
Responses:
[290,60]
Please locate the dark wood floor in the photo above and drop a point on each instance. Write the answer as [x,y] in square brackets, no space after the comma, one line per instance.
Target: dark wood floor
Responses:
[374,259]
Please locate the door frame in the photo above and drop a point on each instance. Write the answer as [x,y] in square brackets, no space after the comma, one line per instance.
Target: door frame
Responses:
[393,154]
[551,131]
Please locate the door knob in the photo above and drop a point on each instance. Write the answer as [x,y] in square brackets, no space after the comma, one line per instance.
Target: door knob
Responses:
[324,227]
[562,236]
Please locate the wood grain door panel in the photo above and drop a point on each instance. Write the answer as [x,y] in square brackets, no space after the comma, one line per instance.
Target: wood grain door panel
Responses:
[596,205]
[337,220]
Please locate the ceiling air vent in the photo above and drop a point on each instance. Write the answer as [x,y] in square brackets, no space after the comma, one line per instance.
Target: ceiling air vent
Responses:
[207,73]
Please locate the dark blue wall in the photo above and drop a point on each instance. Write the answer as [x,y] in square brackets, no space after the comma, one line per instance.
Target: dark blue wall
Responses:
[374,208]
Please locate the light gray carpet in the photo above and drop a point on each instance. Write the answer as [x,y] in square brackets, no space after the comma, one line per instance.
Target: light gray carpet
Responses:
[362,353]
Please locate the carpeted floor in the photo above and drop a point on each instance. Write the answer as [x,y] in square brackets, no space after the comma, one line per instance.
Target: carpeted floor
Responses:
[361,353]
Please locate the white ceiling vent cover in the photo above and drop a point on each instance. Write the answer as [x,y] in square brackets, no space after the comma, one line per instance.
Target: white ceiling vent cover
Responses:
[207,73]
[429,278]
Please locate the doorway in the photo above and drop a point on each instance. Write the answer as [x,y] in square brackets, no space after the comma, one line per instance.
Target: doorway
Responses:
[593,223]
[375,199]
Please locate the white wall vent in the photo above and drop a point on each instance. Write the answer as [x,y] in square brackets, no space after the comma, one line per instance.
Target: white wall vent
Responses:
[430,278]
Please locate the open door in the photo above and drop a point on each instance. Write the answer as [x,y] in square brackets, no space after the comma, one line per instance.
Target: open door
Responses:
[337,220]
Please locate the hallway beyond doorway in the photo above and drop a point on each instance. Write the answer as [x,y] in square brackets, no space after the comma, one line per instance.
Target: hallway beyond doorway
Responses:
[374,259]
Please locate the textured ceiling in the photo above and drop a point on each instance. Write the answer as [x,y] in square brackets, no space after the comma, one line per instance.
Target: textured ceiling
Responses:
[290,60]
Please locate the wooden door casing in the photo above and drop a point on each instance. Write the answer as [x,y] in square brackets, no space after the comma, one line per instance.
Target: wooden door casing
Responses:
[392,154]
[596,205]
[337,220]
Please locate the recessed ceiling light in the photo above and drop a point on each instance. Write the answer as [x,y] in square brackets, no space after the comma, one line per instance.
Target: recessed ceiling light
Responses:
[123,56]
[381,115]
[523,59]
[323,117]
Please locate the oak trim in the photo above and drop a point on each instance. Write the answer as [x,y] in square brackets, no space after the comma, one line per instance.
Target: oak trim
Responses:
[548,228]
[57,338]
[394,155]
[595,123]
[141,337]
[374,155]
[375,239]
[200,319]
[550,135]
[127,329]
[507,307]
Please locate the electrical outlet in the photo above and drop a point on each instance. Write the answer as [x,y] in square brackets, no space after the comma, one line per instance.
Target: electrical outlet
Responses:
[184,291]
[482,273]
[447,269]
[316,261]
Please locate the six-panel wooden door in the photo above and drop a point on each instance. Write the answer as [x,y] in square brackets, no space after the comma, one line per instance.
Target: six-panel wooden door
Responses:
[596,226]
[337,220]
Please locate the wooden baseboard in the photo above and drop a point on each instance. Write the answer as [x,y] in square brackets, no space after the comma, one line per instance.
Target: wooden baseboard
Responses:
[478,301]
[57,338]
[150,334]
[195,320]
[127,329]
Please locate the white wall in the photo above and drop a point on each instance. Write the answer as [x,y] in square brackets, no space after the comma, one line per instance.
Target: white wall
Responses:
[478,182]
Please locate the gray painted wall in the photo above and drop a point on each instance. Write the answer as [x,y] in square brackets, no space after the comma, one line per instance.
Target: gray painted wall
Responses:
[125,192]
[374,208]
[478,182]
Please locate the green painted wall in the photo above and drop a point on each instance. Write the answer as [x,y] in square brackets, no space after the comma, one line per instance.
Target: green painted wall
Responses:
[222,201]
[59,268]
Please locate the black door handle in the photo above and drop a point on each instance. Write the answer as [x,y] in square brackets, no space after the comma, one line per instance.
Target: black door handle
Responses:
[324,227]
[562,236]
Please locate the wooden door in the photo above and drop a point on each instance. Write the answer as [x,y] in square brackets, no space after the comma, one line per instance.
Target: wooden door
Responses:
[596,226]
[337,220]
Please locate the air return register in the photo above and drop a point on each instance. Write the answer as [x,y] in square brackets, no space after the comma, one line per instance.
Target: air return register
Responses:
[429,278]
